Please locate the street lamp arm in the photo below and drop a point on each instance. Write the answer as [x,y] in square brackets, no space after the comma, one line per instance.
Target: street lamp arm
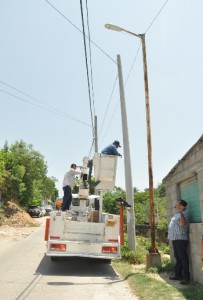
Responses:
[118,28]
[132,33]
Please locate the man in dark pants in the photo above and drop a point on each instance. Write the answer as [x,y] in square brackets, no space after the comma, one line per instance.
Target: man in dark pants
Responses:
[178,234]
[68,184]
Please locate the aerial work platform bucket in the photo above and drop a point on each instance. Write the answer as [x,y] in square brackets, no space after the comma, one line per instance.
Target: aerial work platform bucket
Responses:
[105,171]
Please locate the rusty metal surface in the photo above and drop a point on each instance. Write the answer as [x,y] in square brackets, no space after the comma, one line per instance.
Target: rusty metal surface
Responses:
[149,147]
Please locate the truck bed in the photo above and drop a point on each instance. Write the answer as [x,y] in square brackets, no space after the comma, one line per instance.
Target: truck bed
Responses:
[68,237]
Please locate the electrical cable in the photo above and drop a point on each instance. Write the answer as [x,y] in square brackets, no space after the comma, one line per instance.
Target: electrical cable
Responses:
[108,105]
[46,108]
[156,16]
[91,74]
[133,64]
[86,64]
[111,119]
[90,58]
[113,92]
[80,31]
[46,105]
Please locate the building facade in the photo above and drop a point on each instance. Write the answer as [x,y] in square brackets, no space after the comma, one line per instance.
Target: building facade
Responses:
[185,181]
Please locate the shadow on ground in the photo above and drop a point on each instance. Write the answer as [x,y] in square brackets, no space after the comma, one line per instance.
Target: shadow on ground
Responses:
[76,266]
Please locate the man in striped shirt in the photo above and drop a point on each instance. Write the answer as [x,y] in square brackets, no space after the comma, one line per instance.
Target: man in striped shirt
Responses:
[178,234]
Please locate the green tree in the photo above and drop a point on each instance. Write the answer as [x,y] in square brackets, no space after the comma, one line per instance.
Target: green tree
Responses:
[35,169]
[160,207]
[141,206]
[161,190]
[24,175]
[48,189]
[110,202]
[5,174]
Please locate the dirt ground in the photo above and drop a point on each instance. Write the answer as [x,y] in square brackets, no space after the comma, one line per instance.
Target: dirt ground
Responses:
[16,224]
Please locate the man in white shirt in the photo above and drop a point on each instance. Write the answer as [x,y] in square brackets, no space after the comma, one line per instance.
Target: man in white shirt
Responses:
[68,184]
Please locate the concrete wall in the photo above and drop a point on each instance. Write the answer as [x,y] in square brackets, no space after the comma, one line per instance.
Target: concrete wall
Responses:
[190,167]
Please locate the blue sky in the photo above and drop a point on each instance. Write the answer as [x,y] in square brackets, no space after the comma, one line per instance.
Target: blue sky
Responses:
[42,55]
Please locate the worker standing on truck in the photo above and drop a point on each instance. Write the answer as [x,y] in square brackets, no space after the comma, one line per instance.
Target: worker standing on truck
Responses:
[68,184]
[112,149]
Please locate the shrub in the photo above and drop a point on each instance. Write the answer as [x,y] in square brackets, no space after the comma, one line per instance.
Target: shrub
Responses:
[133,257]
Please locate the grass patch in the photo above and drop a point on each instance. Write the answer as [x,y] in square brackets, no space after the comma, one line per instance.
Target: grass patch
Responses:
[153,284]
[193,291]
[145,287]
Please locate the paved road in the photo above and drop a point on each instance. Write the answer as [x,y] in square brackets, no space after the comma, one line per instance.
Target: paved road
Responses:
[27,273]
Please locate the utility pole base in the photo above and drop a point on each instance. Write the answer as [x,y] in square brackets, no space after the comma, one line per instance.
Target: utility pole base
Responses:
[153,260]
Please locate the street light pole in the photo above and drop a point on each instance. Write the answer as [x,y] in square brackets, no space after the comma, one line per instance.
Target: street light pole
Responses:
[153,249]
[149,147]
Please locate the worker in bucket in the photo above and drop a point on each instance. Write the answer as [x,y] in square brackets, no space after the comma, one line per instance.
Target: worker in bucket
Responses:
[112,149]
[68,184]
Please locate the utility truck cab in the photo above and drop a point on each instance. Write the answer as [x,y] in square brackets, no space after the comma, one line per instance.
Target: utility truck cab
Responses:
[84,230]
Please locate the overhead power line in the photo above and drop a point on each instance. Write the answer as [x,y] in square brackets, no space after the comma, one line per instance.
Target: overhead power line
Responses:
[108,105]
[113,114]
[90,58]
[91,77]
[87,70]
[150,25]
[45,106]
[156,16]
[133,64]
[80,31]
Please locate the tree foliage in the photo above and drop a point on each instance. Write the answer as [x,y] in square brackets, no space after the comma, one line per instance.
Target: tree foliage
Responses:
[23,175]
[141,205]
[110,201]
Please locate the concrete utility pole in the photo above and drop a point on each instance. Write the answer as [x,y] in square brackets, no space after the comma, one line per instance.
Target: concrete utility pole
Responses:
[127,163]
[95,133]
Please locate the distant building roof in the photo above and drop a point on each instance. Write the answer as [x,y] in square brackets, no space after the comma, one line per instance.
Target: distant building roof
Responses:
[183,158]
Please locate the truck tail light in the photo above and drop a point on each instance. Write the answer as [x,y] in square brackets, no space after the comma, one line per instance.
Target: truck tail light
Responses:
[108,249]
[61,247]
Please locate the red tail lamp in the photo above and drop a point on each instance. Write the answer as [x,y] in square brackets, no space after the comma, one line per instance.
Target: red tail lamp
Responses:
[60,247]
